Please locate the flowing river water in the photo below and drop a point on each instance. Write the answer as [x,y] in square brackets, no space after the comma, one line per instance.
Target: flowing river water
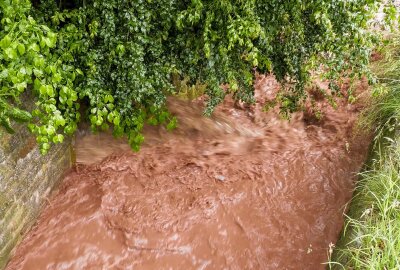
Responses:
[240,190]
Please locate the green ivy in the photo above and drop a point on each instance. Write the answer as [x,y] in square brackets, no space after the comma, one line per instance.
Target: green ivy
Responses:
[118,58]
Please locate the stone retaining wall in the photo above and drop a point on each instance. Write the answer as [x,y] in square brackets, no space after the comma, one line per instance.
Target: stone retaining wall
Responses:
[26,179]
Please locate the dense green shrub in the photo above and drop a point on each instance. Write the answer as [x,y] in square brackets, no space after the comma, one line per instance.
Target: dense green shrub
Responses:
[28,61]
[117,57]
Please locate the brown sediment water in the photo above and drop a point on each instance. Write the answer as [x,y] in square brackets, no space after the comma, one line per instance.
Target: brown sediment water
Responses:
[240,190]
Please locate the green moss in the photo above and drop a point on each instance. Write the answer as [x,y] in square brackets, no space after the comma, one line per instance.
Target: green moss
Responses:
[11,227]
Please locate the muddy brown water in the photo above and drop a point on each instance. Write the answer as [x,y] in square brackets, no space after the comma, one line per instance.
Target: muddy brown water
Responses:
[241,190]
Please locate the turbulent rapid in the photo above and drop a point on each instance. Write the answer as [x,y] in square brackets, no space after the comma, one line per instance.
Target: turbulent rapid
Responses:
[243,189]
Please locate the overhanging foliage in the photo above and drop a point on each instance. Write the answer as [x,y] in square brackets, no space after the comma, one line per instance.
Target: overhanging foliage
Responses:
[117,57]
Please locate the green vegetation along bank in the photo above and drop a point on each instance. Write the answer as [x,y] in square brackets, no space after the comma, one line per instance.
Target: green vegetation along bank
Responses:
[371,238]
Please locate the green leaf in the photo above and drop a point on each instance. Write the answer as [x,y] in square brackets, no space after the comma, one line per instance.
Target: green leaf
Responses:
[21,86]
[58,138]
[51,130]
[108,98]
[50,90]
[99,120]
[57,78]
[52,39]
[49,42]
[45,147]
[5,42]
[11,53]
[37,84]
[172,124]
[60,121]
[21,49]
[116,121]
[34,47]
[43,90]
[19,115]
[5,122]
[110,117]
[39,62]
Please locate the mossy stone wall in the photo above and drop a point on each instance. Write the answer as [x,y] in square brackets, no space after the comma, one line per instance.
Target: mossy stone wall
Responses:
[26,180]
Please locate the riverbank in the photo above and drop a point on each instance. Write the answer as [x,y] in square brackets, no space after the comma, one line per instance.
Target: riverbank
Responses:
[371,239]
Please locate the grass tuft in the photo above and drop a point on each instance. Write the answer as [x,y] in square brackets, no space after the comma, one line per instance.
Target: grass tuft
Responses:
[371,239]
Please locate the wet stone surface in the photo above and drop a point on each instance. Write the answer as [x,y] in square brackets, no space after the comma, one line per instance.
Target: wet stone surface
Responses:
[26,179]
